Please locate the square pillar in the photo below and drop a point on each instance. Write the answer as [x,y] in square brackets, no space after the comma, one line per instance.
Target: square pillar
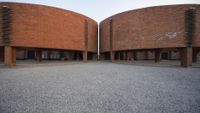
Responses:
[112,56]
[124,55]
[9,56]
[186,56]
[157,55]
[84,56]
[38,55]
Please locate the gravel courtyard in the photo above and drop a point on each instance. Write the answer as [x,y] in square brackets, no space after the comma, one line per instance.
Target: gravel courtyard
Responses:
[99,87]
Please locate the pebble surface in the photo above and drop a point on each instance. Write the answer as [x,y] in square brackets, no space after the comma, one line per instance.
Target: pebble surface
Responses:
[100,87]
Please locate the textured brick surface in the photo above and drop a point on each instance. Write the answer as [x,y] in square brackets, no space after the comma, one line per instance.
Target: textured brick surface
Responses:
[48,27]
[154,27]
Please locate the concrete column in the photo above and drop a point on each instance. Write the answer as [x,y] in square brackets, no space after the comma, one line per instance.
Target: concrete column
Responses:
[112,56]
[157,55]
[129,55]
[84,56]
[124,55]
[186,56]
[10,56]
[38,55]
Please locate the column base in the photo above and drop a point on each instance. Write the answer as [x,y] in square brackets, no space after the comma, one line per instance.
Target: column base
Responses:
[84,56]
[157,55]
[9,56]
[186,56]
[112,56]
[38,55]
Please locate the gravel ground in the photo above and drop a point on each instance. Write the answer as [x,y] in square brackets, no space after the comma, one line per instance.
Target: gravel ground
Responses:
[100,87]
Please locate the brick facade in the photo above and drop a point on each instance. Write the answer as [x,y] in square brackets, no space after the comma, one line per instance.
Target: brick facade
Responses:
[38,26]
[48,27]
[150,29]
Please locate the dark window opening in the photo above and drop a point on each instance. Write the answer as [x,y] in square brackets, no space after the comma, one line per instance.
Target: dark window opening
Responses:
[165,56]
[31,54]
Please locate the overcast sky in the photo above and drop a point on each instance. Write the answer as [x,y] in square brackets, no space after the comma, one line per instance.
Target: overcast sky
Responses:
[101,9]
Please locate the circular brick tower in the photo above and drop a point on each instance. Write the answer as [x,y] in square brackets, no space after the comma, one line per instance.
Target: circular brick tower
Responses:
[41,32]
[164,32]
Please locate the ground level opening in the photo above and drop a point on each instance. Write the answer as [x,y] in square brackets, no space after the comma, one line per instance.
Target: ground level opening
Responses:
[13,55]
[186,56]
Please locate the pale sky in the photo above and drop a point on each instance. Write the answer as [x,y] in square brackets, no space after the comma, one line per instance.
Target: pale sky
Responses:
[101,9]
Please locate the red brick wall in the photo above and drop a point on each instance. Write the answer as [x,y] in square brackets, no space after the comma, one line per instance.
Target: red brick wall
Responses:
[48,27]
[196,41]
[154,27]
[93,32]
[105,36]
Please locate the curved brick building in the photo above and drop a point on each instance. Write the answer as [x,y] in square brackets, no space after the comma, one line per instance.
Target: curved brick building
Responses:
[163,32]
[41,32]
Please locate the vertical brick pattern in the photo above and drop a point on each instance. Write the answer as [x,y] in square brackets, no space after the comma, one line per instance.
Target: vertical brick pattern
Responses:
[92,36]
[6,23]
[196,38]
[86,34]
[105,36]
[111,34]
[190,17]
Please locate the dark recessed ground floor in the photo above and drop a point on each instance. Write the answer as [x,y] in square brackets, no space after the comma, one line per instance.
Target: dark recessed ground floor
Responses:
[9,55]
[186,56]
